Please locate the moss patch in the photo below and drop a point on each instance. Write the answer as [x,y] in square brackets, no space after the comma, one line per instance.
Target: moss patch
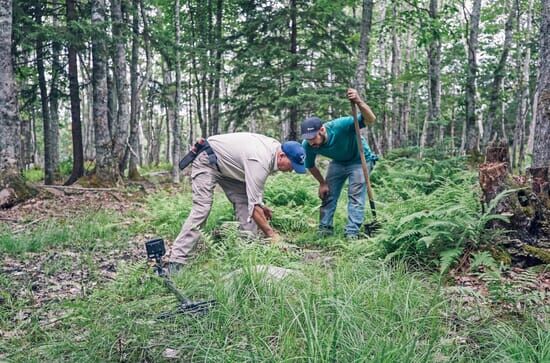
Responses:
[542,254]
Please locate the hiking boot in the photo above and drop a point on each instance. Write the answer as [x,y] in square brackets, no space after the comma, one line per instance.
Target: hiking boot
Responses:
[352,237]
[323,232]
[174,268]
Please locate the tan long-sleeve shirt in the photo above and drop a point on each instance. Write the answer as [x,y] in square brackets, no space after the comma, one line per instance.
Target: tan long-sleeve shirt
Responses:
[249,158]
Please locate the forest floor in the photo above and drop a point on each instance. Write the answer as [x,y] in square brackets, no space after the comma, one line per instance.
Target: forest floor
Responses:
[74,285]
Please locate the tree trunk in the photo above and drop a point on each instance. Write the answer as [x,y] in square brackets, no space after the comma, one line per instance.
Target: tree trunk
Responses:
[106,167]
[76,125]
[472,135]
[49,166]
[434,74]
[215,122]
[498,76]
[12,186]
[132,150]
[523,90]
[361,70]
[541,147]
[293,89]
[120,131]
[383,117]
[396,86]
[57,71]
[176,144]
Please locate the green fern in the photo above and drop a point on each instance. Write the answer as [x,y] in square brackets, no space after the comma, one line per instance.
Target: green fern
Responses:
[484,259]
[448,257]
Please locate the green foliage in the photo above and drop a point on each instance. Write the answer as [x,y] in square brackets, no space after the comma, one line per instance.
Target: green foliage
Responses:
[33,175]
[430,210]
[483,258]
[91,231]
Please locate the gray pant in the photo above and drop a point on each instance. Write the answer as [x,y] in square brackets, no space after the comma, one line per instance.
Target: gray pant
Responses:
[204,179]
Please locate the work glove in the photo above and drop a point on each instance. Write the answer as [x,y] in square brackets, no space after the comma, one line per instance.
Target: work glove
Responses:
[323,191]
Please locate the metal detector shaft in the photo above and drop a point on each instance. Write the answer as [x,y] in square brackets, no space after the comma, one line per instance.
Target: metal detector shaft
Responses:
[363,160]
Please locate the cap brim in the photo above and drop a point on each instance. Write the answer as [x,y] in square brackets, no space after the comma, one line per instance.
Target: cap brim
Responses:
[310,135]
[298,168]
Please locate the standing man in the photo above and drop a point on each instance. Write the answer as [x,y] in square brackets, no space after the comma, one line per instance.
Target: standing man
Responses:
[337,140]
[240,163]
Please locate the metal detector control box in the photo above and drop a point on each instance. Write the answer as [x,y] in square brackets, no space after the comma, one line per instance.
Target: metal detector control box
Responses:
[155,248]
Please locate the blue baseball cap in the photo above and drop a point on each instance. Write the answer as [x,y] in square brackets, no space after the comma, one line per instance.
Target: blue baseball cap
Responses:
[310,127]
[296,154]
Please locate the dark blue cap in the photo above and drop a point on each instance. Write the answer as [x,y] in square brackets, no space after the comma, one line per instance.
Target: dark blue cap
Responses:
[310,127]
[296,154]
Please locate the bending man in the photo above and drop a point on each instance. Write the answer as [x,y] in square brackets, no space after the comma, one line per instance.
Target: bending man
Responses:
[240,163]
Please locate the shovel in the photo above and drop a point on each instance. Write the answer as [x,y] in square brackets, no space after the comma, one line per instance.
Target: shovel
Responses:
[370,228]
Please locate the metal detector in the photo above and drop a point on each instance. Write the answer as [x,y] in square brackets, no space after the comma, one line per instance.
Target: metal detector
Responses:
[155,250]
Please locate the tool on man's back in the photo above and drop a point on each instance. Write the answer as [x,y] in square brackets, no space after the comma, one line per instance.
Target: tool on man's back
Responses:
[200,146]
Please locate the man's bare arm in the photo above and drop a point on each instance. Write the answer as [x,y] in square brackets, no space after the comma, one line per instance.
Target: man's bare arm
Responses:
[259,217]
[317,175]
[368,115]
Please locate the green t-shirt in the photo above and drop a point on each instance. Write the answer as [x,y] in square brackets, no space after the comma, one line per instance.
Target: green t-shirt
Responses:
[341,143]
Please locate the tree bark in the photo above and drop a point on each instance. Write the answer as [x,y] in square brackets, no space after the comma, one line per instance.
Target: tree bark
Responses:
[498,76]
[215,122]
[74,95]
[132,149]
[361,70]
[541,147]
[523,90]
[176,139]
[293,89]
[106,169]
[434,73]
[120,131]
[55,94]
[383,117]
[12,186]
[472,134]
[49,129]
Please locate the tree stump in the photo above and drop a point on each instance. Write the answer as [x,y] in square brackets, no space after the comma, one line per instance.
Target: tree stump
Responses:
[528,207]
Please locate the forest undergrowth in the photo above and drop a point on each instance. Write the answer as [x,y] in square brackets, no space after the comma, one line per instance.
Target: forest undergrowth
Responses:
[427,287]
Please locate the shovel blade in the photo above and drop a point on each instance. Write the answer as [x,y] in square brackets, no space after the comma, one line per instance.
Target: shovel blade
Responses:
[371,228]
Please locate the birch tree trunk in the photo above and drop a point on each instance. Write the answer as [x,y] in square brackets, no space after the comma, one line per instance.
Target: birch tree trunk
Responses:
[132,150]
[12,186]
[106,167]
[518,147]
[384,141]
[57,72]
[472,134]
[120,134]
[396,87]
[434,72]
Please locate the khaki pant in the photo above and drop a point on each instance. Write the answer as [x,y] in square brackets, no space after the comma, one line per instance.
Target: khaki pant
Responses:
[204,179]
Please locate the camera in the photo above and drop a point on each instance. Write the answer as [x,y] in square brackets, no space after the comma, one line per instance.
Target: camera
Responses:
[155,248]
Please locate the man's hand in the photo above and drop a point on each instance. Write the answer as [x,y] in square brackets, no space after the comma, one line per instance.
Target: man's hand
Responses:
[275,238]
[323,190]
[267,212]
[353,96]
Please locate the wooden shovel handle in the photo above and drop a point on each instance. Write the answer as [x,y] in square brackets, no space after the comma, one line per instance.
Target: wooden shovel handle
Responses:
[363,160]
